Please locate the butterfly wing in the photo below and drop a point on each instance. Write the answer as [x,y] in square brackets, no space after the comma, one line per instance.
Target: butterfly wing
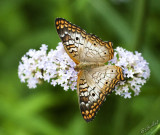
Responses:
[80,46]
[93,85]
[72,37]
[97,50]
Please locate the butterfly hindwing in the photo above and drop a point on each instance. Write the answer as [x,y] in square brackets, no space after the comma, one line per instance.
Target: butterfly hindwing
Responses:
[93,85]
[106,77]
[89,103]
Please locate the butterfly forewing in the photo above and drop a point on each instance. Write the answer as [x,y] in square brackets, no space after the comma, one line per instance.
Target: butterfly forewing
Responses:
[73,39]
[97,50]
[81,46]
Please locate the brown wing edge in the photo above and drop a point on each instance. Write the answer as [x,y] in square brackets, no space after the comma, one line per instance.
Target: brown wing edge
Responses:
[62,24]
[114,82]
[87,114]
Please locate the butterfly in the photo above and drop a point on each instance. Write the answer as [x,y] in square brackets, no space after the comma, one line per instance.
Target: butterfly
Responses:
[90,53]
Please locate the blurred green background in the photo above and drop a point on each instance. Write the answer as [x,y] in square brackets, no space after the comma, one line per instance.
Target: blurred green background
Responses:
[48,110]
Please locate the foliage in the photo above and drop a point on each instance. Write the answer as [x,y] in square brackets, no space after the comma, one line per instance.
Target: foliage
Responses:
[48,110]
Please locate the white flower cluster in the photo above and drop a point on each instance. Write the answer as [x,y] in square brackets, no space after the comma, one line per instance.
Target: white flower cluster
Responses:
[135,69]
[55,67]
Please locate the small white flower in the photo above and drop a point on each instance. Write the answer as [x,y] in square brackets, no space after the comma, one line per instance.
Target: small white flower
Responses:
[31,52]
[53,82]
[118,91]
[127,95]
[125,89]
[38,74]
[132,83]
[65,86]
[46,77]
[44,47]
[32,82]
[130,74]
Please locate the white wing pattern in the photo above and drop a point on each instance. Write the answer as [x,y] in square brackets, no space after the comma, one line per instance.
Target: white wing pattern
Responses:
[95,80]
